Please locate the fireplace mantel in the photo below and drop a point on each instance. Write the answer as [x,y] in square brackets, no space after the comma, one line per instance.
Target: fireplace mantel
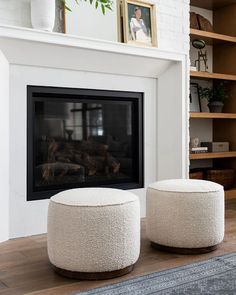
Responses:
[29,57]
[38,48]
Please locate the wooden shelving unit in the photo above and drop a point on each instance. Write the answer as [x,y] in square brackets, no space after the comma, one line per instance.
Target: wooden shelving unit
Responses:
[207,75]
[212,115]
[222,127]
[212,155]
[211,38]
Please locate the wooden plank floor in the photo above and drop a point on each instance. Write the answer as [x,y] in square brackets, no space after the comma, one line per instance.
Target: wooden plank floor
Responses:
[24,266]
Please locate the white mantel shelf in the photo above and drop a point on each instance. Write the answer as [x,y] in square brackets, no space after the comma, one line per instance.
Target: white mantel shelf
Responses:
[66,51]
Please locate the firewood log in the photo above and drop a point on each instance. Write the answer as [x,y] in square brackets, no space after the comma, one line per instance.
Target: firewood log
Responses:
[93,156]
[51,170]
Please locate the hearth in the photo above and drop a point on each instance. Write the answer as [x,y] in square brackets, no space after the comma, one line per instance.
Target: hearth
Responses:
[83,138]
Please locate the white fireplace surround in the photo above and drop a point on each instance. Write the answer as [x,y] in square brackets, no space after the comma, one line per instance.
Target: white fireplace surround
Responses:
[29,57]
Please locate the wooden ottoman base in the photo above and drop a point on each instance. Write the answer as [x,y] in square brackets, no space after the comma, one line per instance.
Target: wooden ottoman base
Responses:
[186,251]
[93,275]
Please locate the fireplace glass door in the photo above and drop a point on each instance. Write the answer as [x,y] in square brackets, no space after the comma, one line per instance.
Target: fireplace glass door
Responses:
[83,138]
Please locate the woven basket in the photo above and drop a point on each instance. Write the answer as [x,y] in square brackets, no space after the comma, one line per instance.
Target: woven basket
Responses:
[196,175]
[224,177]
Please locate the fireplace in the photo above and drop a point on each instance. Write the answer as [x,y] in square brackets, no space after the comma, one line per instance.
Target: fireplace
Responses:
[83,138]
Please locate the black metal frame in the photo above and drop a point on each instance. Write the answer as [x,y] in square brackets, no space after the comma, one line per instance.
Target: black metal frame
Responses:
[41,93]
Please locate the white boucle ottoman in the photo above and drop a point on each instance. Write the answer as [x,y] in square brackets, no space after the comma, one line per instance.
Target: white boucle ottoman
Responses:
[93,233]
[185,216]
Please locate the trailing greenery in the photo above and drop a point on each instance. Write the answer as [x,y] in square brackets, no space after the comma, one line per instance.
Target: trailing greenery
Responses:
[217,93]
[104,4]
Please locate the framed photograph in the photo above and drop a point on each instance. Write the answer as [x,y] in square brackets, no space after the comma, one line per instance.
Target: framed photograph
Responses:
[139,22]
[194,97]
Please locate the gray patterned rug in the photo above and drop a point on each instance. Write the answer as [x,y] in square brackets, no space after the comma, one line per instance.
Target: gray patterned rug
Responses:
[212,277]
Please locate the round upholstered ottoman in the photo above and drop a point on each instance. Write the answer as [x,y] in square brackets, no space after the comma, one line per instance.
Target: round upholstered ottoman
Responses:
[185,216]
[94,233]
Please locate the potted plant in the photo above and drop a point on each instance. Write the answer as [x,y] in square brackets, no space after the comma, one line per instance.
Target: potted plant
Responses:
[216,97]
[43,11]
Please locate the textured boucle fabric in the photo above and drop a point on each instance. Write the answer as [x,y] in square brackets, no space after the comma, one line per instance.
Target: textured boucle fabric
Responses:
[186,185]
[103,235]
[93,197]
[185,218]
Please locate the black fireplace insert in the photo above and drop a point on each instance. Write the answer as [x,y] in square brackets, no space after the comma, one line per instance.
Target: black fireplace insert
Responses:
[83,138]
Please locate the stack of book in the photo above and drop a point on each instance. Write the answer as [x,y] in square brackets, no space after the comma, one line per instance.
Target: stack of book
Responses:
[199,150]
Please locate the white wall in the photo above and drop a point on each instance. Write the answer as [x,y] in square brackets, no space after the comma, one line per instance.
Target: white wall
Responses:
[172,21]
[172,114]
[15,12]
[4,154]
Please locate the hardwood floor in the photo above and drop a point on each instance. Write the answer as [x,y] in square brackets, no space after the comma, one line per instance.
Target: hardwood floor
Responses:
[24,266]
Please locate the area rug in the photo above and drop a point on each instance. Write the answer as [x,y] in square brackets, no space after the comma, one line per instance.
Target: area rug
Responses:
[212,277]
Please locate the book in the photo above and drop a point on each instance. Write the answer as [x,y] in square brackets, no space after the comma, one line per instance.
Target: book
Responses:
[198,150]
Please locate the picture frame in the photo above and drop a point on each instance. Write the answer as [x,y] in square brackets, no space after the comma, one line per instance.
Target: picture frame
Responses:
[138,23]
[194,98]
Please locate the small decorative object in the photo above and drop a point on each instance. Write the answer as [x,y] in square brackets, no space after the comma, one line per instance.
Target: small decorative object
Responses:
[216,147]
[204,24]
[224,177]
[138,22]
[202,56]
[216,97]
[194,24]
[43,14]
[194,142]
[194,98]
[199,150]
[198,22]
[193,68]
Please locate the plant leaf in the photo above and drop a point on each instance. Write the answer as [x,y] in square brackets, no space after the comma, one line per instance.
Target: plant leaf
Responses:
[105,4]
[68,8]
[103,9]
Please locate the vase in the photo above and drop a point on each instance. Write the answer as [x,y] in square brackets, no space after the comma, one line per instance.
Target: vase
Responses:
[43,14]
[216,106]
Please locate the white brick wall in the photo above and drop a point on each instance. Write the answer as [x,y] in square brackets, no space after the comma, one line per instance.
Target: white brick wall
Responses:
[173,25]
[15,12]
[172,21]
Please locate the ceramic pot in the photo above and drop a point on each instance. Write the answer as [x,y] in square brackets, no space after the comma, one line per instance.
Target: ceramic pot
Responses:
[216,106]
[43,14]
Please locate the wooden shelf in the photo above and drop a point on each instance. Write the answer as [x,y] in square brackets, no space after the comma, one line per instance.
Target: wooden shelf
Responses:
[210,37]
[203,156]
[211,4]
[206,75]
[212,115]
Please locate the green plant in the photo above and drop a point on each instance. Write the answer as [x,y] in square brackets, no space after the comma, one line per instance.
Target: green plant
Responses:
[104,4]
[216,93]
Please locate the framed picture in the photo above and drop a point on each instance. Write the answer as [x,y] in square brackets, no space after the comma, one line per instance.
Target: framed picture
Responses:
[194,97]
[138,22]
